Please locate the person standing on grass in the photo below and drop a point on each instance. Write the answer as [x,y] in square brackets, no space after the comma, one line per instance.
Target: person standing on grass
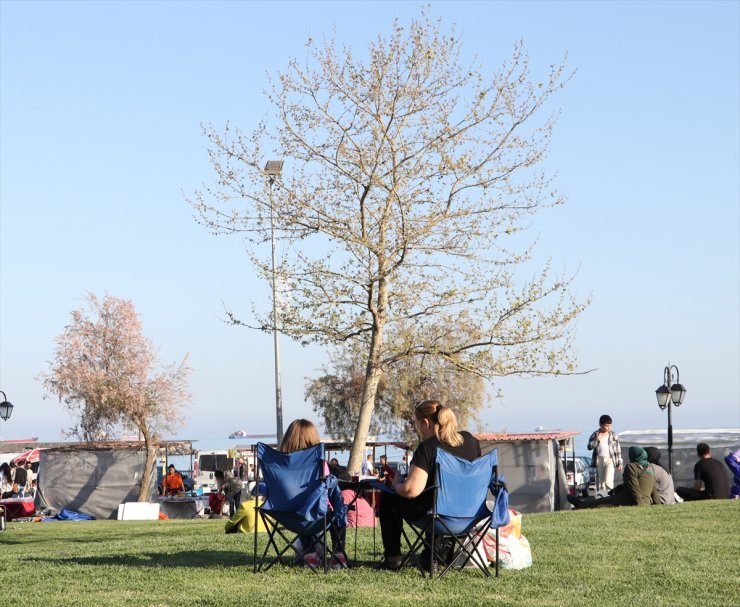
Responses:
[6,482]
[30,474]
[607,455]
[710,473]
[231,488]
[19,476]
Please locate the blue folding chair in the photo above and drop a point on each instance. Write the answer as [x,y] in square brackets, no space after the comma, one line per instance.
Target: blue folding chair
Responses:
[460,514]
[296,504]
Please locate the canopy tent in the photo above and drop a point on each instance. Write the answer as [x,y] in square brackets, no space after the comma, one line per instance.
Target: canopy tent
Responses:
[532,467]
[29,456]
[94,478]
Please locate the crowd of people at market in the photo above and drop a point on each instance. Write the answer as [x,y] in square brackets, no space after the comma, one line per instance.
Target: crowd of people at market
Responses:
[17,479]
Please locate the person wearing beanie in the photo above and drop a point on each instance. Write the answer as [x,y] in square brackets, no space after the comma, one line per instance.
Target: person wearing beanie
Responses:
[638,488]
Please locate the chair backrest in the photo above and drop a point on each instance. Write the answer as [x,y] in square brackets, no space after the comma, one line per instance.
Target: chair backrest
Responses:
[462,486]
[291,479]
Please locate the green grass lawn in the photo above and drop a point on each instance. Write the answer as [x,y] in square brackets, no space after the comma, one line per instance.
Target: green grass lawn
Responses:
[667,555]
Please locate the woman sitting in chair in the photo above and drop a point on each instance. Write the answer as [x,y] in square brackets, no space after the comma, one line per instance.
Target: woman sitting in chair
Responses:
[437,426]
[302,434]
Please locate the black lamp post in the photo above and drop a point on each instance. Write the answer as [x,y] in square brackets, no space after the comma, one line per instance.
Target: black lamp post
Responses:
[669,393]
[6,408]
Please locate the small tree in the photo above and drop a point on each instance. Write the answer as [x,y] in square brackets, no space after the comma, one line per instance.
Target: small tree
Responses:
[105,372]
[410,176]
[336,395]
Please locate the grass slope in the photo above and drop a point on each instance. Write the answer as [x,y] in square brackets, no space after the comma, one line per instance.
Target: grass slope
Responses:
[669,555]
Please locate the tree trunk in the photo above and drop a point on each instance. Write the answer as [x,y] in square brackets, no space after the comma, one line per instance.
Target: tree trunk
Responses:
[372,380]
[373,374]
[151,460]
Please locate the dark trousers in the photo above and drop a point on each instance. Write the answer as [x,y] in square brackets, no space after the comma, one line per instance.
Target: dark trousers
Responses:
[689,494]
[234,502]
[393,511]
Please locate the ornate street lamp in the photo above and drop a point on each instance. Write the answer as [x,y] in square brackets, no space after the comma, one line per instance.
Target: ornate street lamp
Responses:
[273,169]
[6,408]
[666,394]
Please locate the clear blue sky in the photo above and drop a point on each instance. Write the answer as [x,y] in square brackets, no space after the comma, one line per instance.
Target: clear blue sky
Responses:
[100,106]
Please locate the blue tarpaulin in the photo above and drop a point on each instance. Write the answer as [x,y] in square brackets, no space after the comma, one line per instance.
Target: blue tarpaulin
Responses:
[69,515]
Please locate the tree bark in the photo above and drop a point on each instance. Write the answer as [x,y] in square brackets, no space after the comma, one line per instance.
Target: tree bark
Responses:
[151,459]
[373,373]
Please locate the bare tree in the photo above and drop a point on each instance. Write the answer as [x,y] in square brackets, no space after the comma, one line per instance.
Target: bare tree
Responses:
[105,371]
[410,176]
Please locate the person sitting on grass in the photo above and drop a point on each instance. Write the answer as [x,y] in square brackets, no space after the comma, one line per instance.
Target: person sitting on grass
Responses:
[663,480]
[710,473]
[733,463]
[638,488]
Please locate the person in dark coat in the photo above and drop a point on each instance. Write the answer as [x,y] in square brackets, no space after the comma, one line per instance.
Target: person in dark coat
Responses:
[638,488]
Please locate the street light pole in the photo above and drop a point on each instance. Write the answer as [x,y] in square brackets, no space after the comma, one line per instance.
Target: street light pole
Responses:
[273,169]
[666,394]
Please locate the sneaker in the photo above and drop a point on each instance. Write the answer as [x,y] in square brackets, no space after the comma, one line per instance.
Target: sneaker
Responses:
[313,560]
[339,562]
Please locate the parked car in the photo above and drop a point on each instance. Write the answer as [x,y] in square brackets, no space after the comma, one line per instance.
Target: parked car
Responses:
[582,479]
[586,459]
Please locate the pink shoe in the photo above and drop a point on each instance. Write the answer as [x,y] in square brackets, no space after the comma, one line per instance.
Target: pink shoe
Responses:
[313,560]
[339,562]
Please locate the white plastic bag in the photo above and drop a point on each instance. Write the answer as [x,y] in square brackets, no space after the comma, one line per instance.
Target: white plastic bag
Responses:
[514,549]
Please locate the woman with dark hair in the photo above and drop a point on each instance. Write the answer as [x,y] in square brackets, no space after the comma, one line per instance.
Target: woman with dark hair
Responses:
[437,426]
[6,482]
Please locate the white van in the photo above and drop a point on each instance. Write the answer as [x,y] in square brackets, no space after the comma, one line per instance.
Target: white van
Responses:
[208,462]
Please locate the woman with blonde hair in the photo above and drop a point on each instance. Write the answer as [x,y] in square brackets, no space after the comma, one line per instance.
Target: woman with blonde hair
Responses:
[437,426]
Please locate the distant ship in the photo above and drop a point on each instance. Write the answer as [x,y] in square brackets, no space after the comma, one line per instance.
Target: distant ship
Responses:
[238,434]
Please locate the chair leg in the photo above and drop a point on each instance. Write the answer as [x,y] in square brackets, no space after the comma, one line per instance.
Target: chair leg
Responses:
[497,559]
